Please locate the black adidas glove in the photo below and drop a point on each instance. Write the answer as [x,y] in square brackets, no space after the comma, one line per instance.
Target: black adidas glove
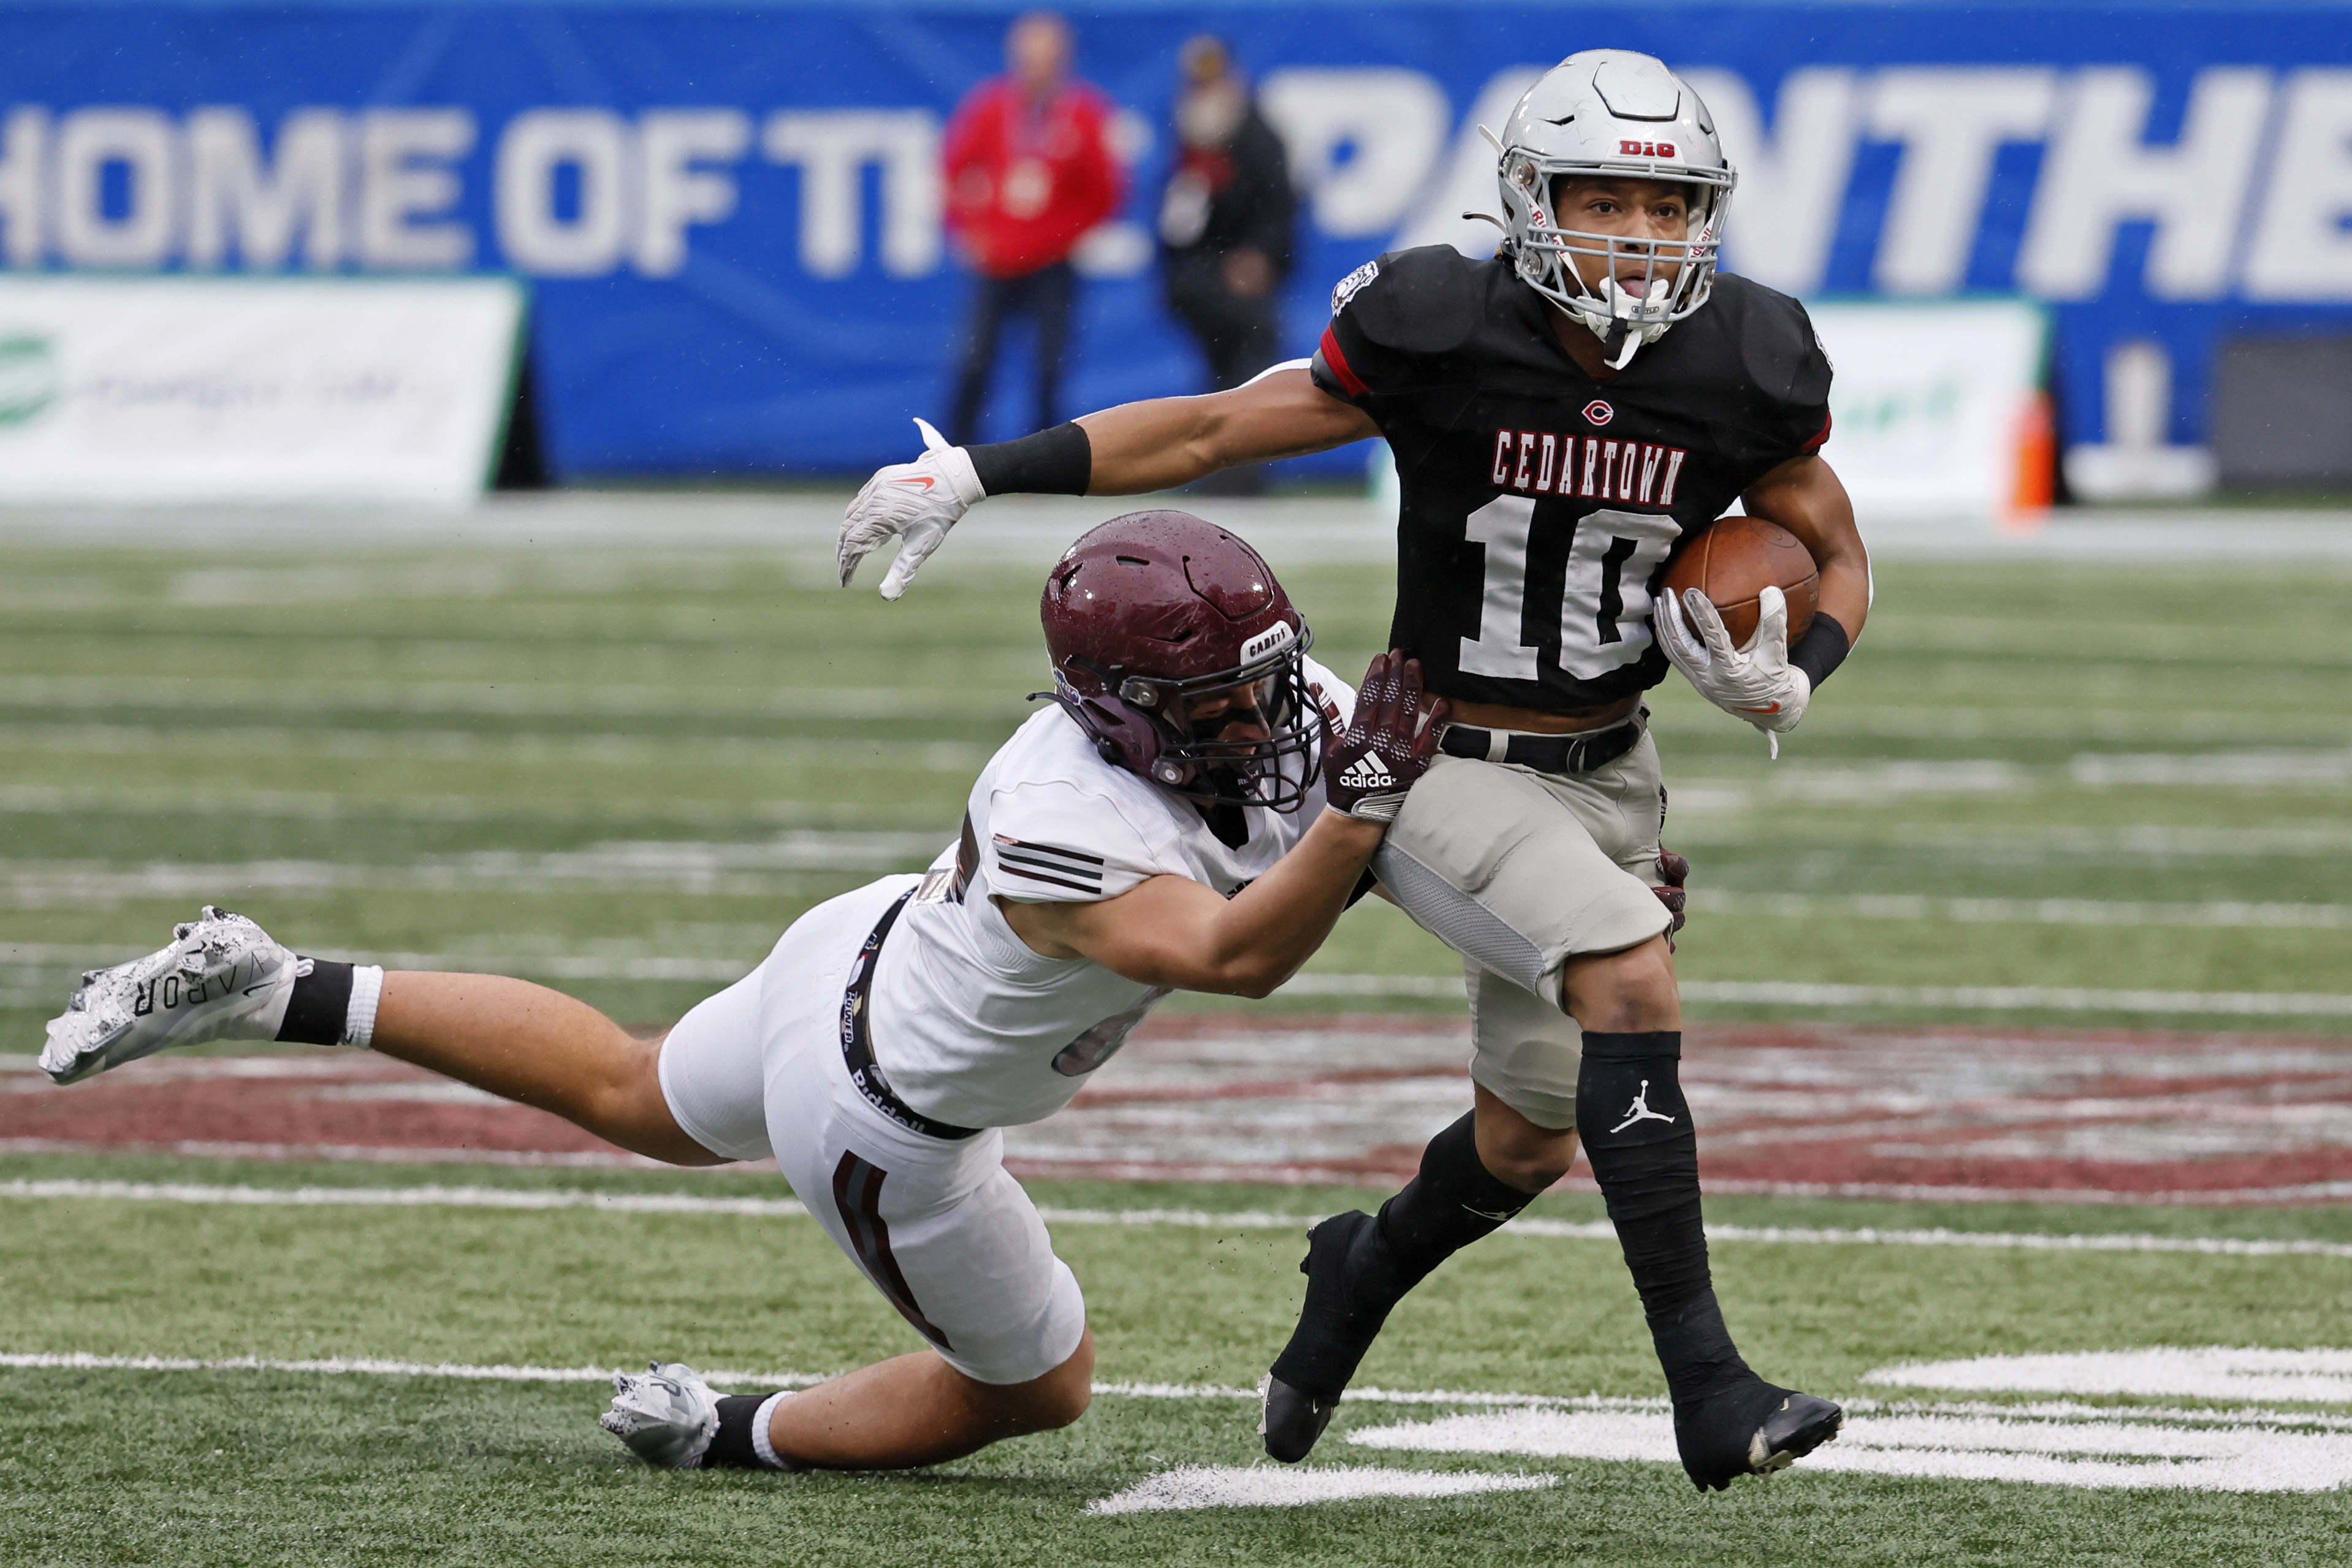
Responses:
[1387,745]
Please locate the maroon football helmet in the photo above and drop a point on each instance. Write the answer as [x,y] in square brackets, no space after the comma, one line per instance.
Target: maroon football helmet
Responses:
[1153,610]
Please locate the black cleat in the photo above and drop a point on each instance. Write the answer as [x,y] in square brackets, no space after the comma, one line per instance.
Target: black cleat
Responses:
[1751,1429]
[1351,1283]
[1292,1419]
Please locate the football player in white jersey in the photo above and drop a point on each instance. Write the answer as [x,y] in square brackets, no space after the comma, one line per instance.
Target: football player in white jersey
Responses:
[1193,812]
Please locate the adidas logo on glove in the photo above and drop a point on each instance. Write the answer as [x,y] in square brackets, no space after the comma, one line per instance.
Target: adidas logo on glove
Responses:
[1367,771]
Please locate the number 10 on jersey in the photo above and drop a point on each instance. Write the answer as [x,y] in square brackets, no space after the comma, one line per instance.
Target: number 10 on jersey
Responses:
[1604,609]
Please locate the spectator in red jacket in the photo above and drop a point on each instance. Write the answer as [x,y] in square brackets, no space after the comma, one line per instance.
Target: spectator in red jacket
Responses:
[1029,170]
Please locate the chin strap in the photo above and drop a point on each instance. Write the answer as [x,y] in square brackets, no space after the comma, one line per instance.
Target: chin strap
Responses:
[1624,338]
[1619,347]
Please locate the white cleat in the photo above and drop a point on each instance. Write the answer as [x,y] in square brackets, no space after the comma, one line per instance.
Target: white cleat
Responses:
[222,978]
[667,1416]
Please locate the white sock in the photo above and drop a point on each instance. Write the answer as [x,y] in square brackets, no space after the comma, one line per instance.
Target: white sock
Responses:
[760,1441]
[367,989]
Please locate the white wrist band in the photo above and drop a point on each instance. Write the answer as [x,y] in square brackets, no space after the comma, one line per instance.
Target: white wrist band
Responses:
[367,990]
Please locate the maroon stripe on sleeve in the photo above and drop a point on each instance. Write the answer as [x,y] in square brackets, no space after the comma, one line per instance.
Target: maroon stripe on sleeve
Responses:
[1336,359]
[1815,444]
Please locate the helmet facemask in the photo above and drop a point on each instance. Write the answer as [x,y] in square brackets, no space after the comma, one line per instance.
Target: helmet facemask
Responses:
[1145,720]
[1675,276]
[1612,114]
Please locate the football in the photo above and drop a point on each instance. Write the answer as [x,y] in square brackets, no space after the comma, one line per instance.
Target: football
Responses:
[1734,558]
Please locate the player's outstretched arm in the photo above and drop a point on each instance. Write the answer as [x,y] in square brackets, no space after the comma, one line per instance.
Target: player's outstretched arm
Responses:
[1165,442]
[1155,445]
[1172,930]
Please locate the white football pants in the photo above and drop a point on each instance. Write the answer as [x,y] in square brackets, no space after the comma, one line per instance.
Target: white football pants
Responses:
[938,1225]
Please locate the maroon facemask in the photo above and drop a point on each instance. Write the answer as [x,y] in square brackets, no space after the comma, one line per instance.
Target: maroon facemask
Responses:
[1154,611]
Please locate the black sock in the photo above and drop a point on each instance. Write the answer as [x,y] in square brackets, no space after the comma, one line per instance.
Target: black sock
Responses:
[1637,1132]
[730,1446]
[320,1006]
[1454,1201]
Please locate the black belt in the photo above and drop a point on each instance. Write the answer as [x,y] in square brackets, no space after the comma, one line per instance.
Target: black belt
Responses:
[857,1051]
[1545,753]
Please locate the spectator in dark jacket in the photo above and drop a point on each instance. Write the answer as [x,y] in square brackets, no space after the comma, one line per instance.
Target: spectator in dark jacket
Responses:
[1225,225]
[1029,170]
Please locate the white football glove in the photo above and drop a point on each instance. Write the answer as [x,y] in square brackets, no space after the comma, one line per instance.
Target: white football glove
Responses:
[1757,683]
[916,503]
[667,1416]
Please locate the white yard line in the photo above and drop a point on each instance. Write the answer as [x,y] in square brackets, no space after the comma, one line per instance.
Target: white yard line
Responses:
[2133,844]
[2200,1371]
[1922,1192]
[540,1199]
[33,955]
[347,1153]
[617,748]
[2213,915]
[2227,769]
[1190,1487]
[344,1366]
[2010,998]
[749,867]
[2113,1449]
[80,694]
[183,800]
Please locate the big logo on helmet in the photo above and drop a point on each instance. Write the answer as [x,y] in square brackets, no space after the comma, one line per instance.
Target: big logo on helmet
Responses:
[1646,149]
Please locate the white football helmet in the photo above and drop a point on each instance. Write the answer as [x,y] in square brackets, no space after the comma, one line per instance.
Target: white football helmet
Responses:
[1614,112]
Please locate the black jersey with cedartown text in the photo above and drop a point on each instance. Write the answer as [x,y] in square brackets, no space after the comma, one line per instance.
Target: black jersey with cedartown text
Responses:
[1541,506]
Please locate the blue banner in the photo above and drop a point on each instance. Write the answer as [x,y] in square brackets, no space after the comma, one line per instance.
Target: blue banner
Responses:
[730,218]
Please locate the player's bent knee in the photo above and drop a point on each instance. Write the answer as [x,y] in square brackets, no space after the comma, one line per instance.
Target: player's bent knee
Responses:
[628,1107]
[1072,1384]
[1632,989]
[1520,1153]
[1054,1401]
[1064,1404]
[1534,1170]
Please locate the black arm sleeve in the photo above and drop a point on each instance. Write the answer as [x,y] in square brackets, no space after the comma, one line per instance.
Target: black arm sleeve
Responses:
[1056,462]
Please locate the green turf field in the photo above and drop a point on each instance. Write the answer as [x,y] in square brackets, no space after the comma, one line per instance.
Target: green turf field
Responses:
[626,772]
[287,1467]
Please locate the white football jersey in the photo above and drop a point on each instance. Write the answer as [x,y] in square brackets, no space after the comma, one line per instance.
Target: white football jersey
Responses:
[972,1026]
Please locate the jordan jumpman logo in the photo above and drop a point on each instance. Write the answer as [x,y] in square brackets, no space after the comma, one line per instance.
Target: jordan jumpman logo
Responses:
[1640,1110]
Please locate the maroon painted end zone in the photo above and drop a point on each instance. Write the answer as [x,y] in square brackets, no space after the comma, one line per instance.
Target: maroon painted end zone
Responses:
[1947,1112]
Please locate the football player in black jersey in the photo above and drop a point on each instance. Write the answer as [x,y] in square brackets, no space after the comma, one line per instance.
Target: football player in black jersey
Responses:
[1564,417]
